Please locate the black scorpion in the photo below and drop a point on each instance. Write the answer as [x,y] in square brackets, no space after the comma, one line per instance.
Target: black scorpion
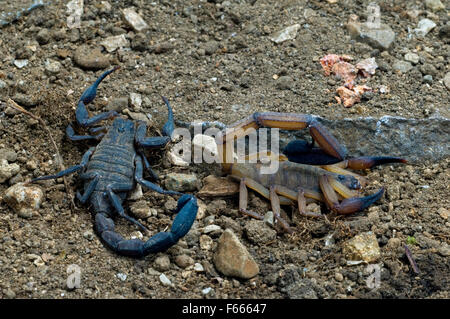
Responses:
[110,170]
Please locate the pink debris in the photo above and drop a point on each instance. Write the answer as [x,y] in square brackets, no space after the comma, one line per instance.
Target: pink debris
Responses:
[331,59]
[349,97]
[338,65]
[345,71]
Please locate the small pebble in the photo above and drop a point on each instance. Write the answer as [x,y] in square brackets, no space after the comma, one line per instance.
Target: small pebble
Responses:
[88,235]
[206,290]
[211,228]
[121,276]
[162,263]
[134,20]
[428,79]
[164,280]
[20,63]
[183,261]
[198,267]
[338,276]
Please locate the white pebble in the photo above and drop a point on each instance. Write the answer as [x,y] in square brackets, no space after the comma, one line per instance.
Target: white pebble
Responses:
[164,280]
[211,228]
[198,267]
[121,276]
[206,290]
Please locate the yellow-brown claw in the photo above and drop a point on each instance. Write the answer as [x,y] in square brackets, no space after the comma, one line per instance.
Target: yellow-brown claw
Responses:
[348,205]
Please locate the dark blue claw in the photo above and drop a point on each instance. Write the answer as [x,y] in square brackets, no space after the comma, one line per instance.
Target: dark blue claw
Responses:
[186,213]
[169,127]
[87,97]
[71,135]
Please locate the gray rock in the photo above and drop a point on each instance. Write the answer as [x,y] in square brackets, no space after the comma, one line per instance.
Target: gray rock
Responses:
[21,63]
[428,68]
[7,170]
[284,82]
[302,289]
[111,44]
[91,58]
[134,20]
[121,276]
[412,57]
[43,36]
[88,235]
[140,209]
[135,101]
[414,139]
[428,79]
[446,80]
[380,38]
[52,67]
[424,27]
[444,31]
[211,47]
[258,232]
[117,104]
[26,100]
[3,85]
[182,182]
[8,154]
[402,66]
[434,5]
[165,281]
[162,263]
[288,33]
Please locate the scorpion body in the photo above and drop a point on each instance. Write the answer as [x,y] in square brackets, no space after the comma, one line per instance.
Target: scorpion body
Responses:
[112,169]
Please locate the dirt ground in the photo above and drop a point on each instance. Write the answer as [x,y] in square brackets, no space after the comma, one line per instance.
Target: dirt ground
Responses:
[214,60]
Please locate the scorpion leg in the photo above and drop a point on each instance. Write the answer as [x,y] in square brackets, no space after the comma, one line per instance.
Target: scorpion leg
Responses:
[348,205]
[138,177]
[301,201]
[115,200]
[70,170]
[275,203]
[89,189]
[154,176]
[186,213]
[257,187]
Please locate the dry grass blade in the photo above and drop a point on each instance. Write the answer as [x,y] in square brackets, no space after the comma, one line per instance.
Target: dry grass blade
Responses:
[19,108]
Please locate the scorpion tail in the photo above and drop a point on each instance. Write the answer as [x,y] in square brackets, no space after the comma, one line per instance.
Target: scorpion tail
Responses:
[365,162]
[187,212]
